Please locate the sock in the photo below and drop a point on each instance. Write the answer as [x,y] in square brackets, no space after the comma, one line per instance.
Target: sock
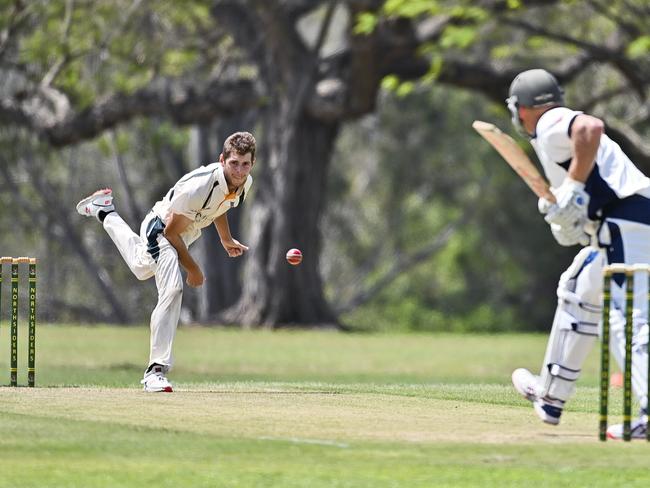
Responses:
[152,366]
[102,214]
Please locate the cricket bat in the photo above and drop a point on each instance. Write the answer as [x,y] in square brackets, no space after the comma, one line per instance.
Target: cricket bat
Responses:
[515,157]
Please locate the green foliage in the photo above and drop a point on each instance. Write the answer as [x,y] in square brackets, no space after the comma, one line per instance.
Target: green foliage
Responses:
[417,8]
[129,82]
[502,51]
[465,10]
[167,134]
[366,23]
[405,88]
[536,42]
[454,36]
[469,12]
[111,45]
[71,81]
[460,37]
[639,47]
[104,145]
[394,84]
[411,8]
[421,148]
[499,273]
[177,61]
[504,35]
[390,82]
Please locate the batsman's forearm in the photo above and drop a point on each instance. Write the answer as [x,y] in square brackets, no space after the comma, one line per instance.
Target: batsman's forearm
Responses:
[582,163]
[184,256]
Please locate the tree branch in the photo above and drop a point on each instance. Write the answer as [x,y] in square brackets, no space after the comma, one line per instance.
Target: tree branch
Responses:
[183,103]
[404,263]
[17,17]
[607,12]
[307,81]
[631,142]
[615,57]
[56,68]
[598,98]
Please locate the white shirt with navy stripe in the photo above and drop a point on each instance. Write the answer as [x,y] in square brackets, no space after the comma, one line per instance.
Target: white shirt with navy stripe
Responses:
[201,196]
[614,176]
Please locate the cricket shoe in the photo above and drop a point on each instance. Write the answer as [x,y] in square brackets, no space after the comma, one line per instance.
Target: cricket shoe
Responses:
[638,429]
[548,410]
[527,384]
[101,200]
[155,381]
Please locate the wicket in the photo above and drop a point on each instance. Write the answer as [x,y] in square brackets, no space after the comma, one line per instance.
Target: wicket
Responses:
[608,273]
[13,334]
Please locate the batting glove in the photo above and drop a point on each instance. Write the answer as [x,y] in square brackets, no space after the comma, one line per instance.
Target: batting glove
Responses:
[571,206]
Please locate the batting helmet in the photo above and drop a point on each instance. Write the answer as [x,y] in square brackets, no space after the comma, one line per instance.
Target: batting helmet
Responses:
[533,88]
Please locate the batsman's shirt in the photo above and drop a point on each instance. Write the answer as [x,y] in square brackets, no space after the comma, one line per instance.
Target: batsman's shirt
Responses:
[613,179]
[201,196]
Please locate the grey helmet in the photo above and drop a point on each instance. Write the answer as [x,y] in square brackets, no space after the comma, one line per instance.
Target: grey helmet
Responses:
[533,88]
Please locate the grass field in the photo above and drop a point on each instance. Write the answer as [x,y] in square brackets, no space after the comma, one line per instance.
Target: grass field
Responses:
[298,409]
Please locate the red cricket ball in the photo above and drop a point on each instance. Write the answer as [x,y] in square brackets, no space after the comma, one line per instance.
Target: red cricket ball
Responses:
[294,256]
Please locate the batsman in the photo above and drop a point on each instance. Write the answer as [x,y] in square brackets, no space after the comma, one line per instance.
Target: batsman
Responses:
[601,199]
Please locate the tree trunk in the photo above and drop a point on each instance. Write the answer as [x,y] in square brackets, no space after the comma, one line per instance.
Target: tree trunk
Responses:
[289,191]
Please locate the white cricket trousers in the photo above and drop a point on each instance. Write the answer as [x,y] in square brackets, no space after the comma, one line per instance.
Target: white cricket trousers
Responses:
[138,251]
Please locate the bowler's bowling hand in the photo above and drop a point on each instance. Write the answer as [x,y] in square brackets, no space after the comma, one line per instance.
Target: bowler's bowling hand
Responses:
[234,248]
[195,278]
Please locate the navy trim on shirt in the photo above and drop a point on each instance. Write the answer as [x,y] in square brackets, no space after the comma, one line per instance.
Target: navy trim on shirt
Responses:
[189,176]
[205,204]
[571,125]
[155,227]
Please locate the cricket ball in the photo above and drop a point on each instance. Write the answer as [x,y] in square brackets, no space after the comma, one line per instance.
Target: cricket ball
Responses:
[616,380]
[294,256]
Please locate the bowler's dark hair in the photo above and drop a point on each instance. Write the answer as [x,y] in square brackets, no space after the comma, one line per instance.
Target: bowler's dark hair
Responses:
[241,143]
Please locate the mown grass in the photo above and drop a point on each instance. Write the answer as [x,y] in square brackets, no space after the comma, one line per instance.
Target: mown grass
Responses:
[298,409]
[108,356]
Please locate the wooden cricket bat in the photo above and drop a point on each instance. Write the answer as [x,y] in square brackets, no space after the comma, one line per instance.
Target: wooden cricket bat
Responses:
[515,157]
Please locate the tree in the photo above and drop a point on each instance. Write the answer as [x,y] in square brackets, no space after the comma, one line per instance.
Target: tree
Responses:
[198,61]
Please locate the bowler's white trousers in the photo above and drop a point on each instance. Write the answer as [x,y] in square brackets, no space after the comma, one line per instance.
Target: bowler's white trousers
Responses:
[138,252]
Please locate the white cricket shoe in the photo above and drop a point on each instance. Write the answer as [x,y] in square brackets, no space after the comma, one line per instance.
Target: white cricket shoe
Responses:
[92,204]
[527,384]
[155,381]
[549,411]
[638,429]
